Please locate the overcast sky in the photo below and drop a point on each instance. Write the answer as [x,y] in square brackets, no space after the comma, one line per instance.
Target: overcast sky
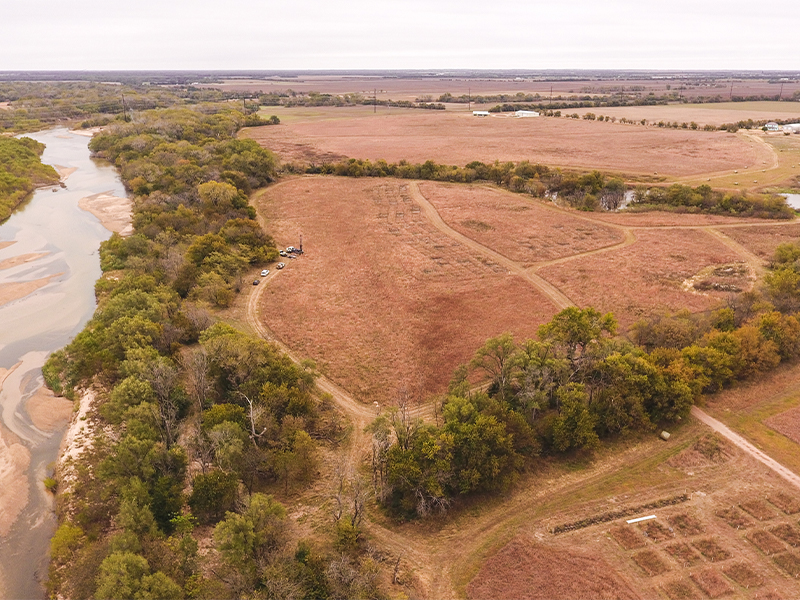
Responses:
[399,34]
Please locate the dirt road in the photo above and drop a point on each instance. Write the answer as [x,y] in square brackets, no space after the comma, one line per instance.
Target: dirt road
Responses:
[746,446]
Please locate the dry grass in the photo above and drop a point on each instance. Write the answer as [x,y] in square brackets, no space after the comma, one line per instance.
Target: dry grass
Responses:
[735,518]
[786,423]
[766,542]
[712,583]
[381,299]
[684,554]
[527,571]
[789,504]
[453,138]
[680,590]
[744,575]
[788,534]
[627,537]
[759,509]
[711,550]
[516,226]
[762,241]
[645,277]
[650,562]
[656,531]
[686,524]
[789,562]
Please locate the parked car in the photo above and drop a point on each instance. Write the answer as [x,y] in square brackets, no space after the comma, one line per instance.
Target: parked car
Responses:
[290,248]
[265,272]
[255,281]
[281,265]
[282,253]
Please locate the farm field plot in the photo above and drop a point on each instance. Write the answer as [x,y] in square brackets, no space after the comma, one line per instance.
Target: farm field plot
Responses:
[762,241]
[709,557]
[459,138]
[516,226]
[381,299]
[644,277]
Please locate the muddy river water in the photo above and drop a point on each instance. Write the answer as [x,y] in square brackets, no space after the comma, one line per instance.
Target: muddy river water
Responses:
[49,263]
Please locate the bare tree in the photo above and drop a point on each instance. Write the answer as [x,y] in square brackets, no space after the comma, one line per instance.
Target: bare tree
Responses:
[197,367]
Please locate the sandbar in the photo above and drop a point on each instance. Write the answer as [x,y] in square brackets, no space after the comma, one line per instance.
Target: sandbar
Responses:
[14,461]
[19,289]
[113,212]
[20,259]
[64,172]
[86,132]
[48,411]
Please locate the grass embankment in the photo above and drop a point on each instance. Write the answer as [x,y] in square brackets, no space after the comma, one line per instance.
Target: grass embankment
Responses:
[21,171]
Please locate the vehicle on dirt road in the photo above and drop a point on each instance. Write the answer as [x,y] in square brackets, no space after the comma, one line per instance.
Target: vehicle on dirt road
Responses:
[265,272]
[281,265]
[256,281]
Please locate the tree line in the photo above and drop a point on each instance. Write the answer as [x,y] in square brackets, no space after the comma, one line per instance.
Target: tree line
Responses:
[197,426]
[21,171]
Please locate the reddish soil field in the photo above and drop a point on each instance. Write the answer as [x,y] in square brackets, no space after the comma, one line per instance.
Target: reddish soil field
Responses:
[459,138]
[381,299]
[787,423]
[644,277]
[524,570]
[667,219]
[523,229]
[712,583]
[789,504]
[762,241]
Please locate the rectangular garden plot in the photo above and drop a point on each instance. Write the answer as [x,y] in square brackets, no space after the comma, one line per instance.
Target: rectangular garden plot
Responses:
[759,509]
[744,575]
[788,504]
[684,554]
[686,524]
[712,583]
[788,534]
[735,518]
[789,562]
[627,537]
[650,562]
[680,590]
[711,550]
[766,542]
[656,531]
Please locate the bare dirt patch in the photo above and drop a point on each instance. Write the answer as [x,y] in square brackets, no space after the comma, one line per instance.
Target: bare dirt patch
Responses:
[644,277]
[627,537]
[453,138]
[528,571]
[519,227]
[656,531]
[712,583]
[766,542]
[381,299]
[744,575]
[650,562]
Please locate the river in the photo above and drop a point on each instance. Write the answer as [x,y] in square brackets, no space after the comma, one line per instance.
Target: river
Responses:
[51,244]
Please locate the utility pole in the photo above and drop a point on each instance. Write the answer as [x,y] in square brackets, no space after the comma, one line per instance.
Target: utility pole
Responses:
[551,94]
[469,99]
[780,97]
[124,114]
[375,101]
[731,96]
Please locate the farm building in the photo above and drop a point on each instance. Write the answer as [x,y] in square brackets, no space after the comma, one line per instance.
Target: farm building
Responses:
[480,113]
[792,128]
[526,113]
[771,126]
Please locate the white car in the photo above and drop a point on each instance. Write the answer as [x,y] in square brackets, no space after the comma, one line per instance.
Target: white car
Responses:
[281,265]
[265,272]
[282,252]
[290,248]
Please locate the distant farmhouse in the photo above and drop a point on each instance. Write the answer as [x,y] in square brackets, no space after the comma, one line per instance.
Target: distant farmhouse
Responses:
[792,128]
[772,126]
[526,113]
[480,113]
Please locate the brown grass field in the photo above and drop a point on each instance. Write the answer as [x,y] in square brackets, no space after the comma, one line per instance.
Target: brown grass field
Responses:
[525,231]
[381,299]
[762,241]
[644,277]
[459,138]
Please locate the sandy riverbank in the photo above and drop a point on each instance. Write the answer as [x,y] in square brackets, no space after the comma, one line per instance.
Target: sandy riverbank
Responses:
[19,289]
[14,461]
[64,172]
[47,411]
[86,132]
[77,440]
[113,212]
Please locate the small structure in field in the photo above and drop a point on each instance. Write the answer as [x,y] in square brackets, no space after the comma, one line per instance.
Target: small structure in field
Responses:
[792,128]
[526,113]
[772,126]
[480,113]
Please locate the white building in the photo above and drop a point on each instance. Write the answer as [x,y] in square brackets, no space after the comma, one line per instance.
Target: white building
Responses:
[771,126]
[480,113]
[526,113]
[792,128]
